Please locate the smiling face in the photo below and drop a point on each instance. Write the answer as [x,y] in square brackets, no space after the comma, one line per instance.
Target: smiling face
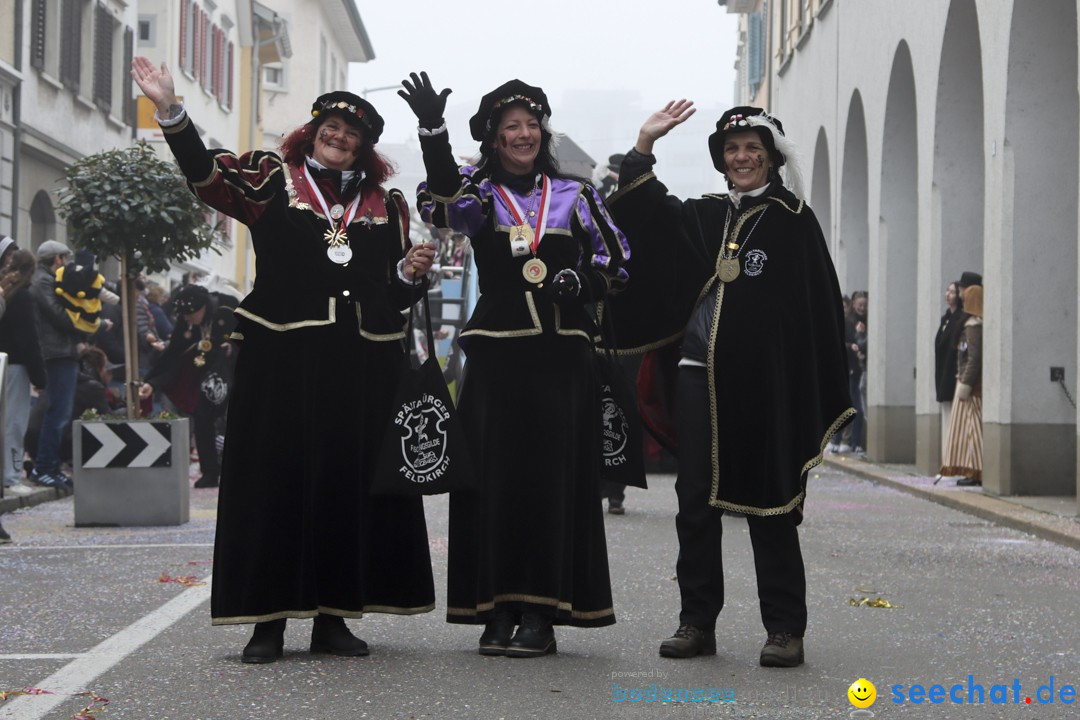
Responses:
[337,143]
[517,140]
[747,161]
[862,693]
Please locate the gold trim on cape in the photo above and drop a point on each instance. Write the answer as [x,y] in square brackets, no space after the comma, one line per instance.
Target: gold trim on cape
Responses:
[377,337]
[624,190]
[536,329]
[304,614]
[536,600]
[282,327]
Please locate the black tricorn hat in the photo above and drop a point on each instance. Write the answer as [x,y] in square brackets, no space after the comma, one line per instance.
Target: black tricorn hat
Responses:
[190,299]
[509,93]
[969,278]
[355,109]
[736,120]
[615,161]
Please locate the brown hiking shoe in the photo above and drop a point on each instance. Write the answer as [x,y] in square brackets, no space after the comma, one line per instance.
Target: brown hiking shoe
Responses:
[782,650]
[687,642]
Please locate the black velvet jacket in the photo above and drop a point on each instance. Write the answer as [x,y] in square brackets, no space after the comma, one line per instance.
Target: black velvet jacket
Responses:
[296,284]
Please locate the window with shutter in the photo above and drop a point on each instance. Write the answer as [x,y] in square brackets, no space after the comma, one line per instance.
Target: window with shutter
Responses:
[37,35]
[128,90]
[229,78]
[197,51]
[218,62]
[207,76]
[185,6]
[103,49]
[70,43]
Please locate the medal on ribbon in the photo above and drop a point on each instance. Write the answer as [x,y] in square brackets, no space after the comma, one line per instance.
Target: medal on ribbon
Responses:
[336,237]
[524,240]
[534,271]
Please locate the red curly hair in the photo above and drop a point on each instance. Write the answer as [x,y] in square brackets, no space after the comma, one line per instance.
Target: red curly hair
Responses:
[301,142]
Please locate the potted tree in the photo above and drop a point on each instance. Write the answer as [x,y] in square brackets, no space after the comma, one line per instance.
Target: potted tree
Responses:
[131,205]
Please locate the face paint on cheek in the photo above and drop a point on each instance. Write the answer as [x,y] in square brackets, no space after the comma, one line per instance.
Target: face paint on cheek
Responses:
[503,142]
[759,161]
[323,134]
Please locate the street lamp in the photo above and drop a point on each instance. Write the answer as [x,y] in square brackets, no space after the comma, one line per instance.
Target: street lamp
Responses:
[365,91]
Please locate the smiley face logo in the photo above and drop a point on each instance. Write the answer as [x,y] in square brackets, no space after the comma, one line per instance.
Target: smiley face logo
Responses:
[862,693]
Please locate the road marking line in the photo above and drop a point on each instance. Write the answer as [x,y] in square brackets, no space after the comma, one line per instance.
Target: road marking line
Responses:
[42,656]
[77,675]
[122,546]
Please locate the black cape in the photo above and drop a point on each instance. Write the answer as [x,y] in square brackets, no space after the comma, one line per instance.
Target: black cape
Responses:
[778,386]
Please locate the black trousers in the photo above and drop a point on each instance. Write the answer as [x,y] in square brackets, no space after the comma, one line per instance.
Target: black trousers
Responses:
[204,423]
[781,578]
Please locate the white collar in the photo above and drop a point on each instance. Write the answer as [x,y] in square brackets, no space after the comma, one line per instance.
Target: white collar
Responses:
[346,175]
[736,197]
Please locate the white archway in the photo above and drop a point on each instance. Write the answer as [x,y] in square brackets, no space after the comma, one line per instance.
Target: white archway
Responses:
[853,245]
[821,189]
[957,206]
[891,335]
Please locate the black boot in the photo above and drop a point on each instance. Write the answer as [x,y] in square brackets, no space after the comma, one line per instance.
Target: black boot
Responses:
[534,637]
[330,635]
[497,633]
[206,481]
[266,643]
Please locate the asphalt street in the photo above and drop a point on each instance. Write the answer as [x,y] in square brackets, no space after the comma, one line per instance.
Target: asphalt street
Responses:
[975,606]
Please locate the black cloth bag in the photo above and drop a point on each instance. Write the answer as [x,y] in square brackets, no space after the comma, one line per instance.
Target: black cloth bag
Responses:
[424,452]
[622,447]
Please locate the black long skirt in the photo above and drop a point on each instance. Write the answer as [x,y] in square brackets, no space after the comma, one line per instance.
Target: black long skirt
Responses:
[531,537]
[297,532]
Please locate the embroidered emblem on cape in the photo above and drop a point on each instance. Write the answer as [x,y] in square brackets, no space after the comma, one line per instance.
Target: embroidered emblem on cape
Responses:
[423,439]
[616,429]
[214,388]
[754,263]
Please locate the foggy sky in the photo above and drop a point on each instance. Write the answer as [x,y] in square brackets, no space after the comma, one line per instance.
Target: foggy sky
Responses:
[604,64]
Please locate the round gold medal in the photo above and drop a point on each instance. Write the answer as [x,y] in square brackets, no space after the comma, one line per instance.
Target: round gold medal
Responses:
[534,271]
[729,269]
[204,346]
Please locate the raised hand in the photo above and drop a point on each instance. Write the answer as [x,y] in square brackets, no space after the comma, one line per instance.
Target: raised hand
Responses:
[661,122]
[426,104]
[156,83]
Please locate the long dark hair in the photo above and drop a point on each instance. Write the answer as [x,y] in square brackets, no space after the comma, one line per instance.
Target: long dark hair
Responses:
[300,143]
[17,274]
[546,161]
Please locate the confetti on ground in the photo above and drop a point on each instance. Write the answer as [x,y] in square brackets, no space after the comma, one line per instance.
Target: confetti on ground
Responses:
[877,603]
[97,703]
[185,580]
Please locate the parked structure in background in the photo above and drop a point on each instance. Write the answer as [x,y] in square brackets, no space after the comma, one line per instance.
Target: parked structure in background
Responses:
[943,139]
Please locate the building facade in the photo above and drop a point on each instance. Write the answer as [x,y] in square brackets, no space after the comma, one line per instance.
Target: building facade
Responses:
[202,42]
[71,96]
[935,142]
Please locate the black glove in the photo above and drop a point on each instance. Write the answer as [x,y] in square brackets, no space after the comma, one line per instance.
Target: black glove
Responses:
[426,104]
[565,285]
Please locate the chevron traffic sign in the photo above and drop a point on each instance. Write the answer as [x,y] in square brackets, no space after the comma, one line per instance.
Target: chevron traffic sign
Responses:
[131,444]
